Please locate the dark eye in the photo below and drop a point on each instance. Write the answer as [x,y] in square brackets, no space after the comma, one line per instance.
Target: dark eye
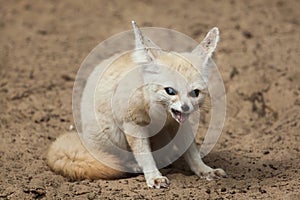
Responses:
[170,91]
[194,93]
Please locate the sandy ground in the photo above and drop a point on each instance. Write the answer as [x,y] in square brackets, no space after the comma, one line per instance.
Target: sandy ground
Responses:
[42,44]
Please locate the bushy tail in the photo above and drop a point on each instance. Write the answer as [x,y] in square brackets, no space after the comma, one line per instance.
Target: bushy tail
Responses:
[67,156]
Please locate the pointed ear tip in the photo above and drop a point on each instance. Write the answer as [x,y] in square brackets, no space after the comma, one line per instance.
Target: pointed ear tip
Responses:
[134,25]
[215,30]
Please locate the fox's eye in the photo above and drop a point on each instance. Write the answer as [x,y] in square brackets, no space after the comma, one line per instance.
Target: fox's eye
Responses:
[170,91]
[194,93]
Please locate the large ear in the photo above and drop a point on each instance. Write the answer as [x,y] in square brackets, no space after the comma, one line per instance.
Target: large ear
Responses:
[142,54]
[206,48]
[208,45]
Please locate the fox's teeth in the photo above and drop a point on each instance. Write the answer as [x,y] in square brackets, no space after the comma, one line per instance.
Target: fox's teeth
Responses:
[179,116]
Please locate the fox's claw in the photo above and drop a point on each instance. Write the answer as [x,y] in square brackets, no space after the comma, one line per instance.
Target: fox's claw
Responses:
[158,182]
[215,174]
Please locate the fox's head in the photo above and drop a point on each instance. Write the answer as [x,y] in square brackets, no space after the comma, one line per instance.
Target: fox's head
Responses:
[176,81]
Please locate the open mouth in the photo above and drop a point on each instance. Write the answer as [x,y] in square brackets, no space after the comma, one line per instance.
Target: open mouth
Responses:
[179,116]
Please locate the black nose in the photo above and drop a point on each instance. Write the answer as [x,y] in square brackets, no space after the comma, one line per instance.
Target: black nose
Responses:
[185,107]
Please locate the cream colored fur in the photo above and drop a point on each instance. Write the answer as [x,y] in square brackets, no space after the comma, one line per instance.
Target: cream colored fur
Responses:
[117,126]
[67,156]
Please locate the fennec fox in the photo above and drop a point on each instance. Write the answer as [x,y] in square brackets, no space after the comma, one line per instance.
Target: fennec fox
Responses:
[173,90]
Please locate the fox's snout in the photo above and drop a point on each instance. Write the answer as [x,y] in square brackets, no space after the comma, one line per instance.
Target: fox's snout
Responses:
[185,108]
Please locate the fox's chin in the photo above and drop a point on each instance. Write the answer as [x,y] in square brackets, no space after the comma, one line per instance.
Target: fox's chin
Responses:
[179,116]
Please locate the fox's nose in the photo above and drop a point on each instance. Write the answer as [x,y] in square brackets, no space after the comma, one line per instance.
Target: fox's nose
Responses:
[185,108]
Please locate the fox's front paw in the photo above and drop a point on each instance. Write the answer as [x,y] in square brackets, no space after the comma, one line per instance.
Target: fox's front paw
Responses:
[214,174]
[158,182]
